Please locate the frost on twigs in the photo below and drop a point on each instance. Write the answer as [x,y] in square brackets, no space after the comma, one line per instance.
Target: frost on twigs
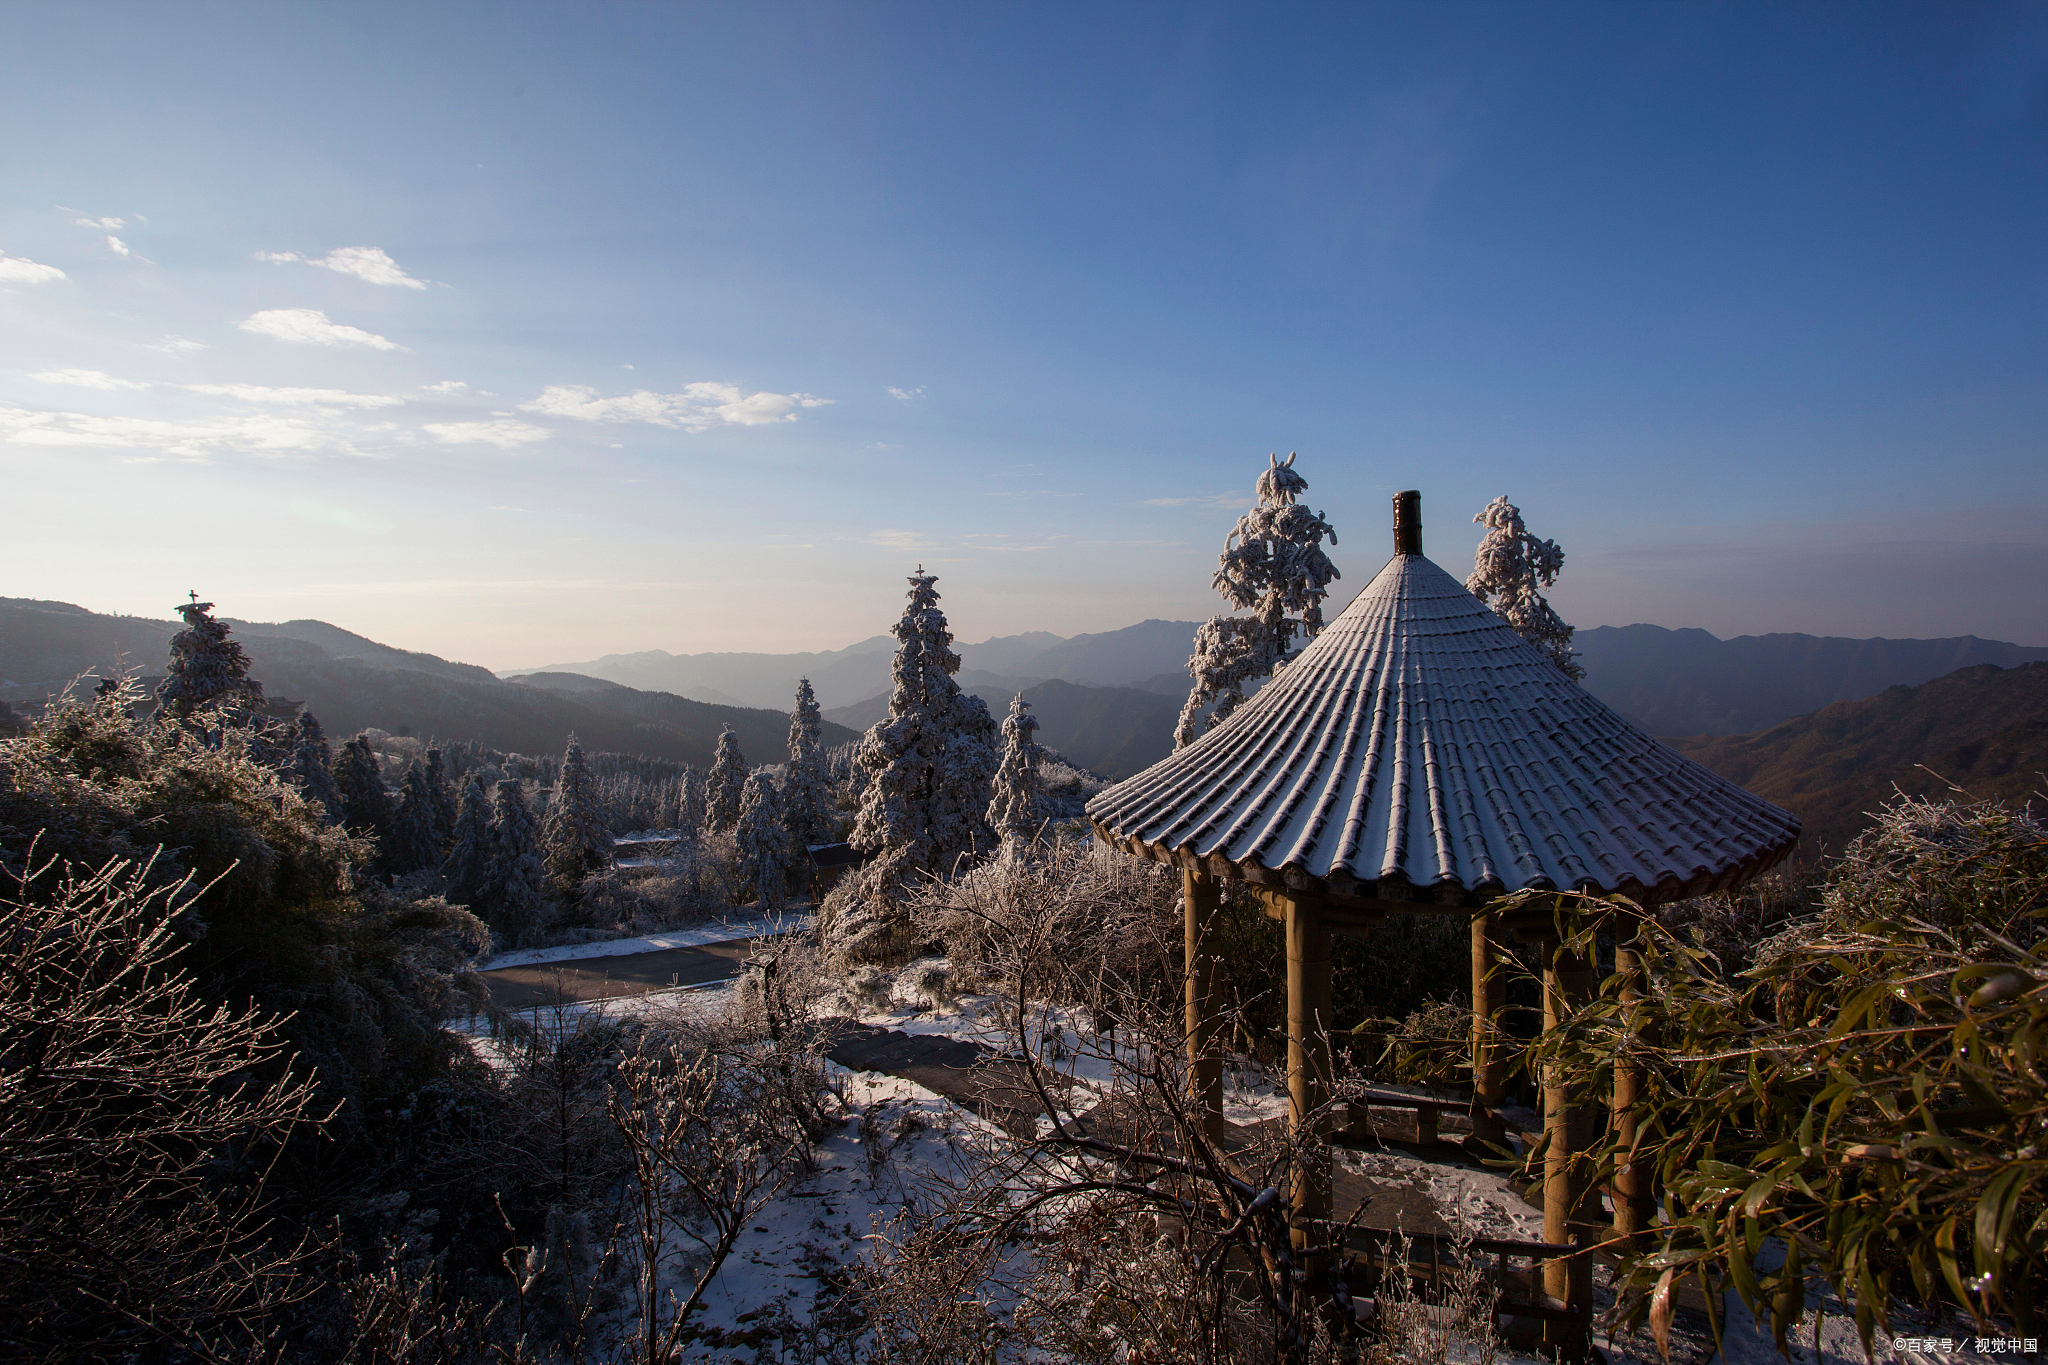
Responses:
[1509,574]
[1272,563]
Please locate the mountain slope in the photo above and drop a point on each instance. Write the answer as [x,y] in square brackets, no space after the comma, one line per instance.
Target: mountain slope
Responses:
[352,683]
[1115,731]
[1984,729]
[1688,682]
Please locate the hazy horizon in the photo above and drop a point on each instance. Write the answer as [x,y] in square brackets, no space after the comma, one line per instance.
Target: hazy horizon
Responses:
[518,334]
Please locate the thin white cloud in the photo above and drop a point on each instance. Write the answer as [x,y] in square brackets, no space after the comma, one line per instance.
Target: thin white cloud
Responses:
[1208,502]
[504,435]
[906,395]
[311,327]
[258,393]
[446,386]
[198,441]
[368,263]
[175,345]
[21,270]
[86,379]
[120,248]
[696,407]
[100,224]
[901,540]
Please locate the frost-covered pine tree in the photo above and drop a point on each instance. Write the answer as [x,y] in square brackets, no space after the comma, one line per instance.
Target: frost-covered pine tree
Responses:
[929,763]
[1509,574]
[517,881]
[727,781]
[763,840]
[1018,808]
[577,839]
[412,844]
[365,808]
[807,786]
[1273,563]
[690,802]
[468,866]
[206,668]
[310,767]
[444,798]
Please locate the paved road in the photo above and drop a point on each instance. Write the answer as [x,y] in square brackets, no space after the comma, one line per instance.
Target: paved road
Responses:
[596,978]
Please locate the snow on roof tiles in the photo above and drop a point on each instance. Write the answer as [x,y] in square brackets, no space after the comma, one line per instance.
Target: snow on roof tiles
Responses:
[1420,749]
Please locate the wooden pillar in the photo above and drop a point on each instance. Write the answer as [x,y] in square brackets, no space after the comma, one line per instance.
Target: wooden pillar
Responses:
[1635,1198]
[1308,1054]
[1489,996]
[1202,897]
[1568,1193]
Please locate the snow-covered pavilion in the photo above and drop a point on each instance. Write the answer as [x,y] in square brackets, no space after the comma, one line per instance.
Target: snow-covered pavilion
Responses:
[1420,756]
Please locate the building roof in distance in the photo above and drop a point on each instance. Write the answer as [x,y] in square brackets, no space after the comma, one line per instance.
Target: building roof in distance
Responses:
[1420,750]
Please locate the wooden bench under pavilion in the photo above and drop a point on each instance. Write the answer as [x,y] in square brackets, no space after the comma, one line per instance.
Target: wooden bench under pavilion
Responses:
[1420,757]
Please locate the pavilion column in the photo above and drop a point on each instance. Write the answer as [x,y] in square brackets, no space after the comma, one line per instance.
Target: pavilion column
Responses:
[1202,897]
[1635,1195]
[1489,996]
[1568,1194]
[1308,1059]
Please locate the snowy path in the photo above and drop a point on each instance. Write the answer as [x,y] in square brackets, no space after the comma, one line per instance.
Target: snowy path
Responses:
[628,967]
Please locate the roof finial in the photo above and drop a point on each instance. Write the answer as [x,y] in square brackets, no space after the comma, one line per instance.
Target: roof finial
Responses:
[1408,523]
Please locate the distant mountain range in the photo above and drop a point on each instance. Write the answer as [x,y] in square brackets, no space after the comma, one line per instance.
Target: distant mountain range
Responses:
[1687,682]
[352,684]
[1670,682]
[1982,729]
[1108,701]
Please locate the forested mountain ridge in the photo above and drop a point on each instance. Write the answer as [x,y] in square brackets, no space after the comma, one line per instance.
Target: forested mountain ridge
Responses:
[1983,729]
[352,684]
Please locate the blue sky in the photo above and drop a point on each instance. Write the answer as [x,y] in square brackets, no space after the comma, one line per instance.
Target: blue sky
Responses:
[753,308]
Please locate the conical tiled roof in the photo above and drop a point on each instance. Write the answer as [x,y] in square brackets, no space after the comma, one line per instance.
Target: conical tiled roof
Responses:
[1420,749]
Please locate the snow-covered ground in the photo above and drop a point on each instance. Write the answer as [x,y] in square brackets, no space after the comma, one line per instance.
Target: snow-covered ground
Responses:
[896,1134]
[711,931]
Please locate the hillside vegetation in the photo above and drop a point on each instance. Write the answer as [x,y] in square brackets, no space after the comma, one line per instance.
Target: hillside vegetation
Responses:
[353,684]
[1984,729]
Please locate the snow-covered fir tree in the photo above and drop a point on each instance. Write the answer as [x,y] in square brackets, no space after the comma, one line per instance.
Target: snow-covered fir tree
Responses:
[723,788]
[1509,573]
[690,802]
[929,763]
[577,839]
[1272,563]
[412,842]
[807,786]
[468,866]
[206,667]
[365,808]
[310,767]
[444,798]
[517,881]
[763,840]
[1018,809]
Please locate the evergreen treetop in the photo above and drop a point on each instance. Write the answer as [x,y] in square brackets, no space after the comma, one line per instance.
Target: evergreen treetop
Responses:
[206,667]
[577,839]
[1510,571]
[925,807]
[468,866]
[807,787]
[763,840]
[1018,808]
[723,787]
[1273,563]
